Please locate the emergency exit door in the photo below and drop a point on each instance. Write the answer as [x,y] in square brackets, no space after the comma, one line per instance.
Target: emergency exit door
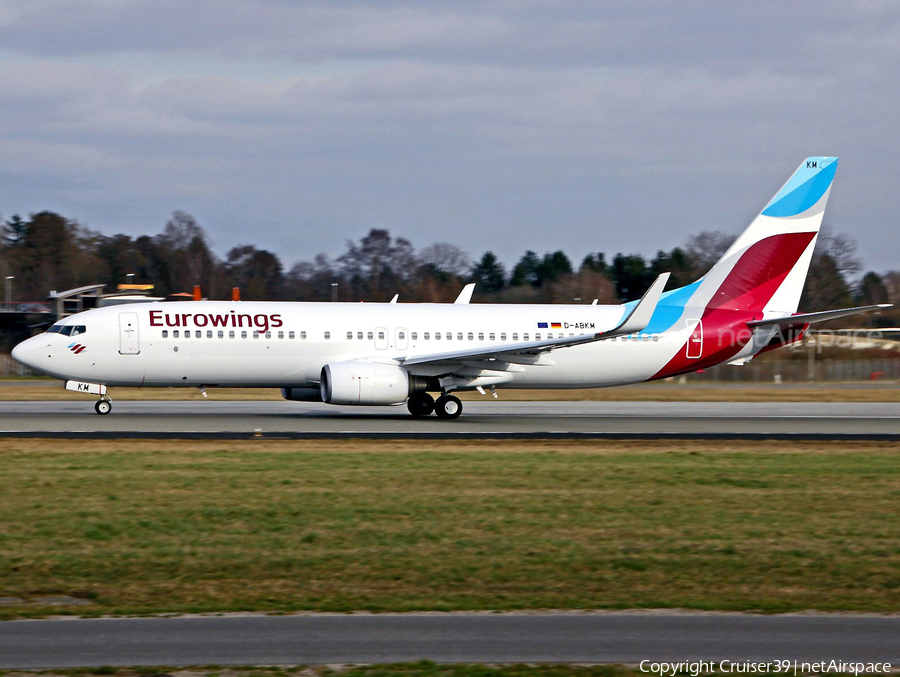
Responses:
[129,339]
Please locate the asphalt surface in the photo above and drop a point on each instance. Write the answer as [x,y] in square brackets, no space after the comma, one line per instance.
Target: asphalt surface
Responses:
[500,638]
[480,418]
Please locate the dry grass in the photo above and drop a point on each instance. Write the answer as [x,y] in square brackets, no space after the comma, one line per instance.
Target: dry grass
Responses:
[32,390]
[146,527]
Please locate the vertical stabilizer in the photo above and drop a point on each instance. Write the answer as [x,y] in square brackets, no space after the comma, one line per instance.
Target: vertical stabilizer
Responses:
[765,269]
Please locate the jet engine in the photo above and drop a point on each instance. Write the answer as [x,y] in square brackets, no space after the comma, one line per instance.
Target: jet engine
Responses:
[360,382]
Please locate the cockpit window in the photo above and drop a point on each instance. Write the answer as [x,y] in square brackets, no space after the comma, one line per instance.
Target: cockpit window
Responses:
[67,329]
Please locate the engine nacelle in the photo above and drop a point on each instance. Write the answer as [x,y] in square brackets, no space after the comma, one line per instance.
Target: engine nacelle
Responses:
[359,382]
[301,394]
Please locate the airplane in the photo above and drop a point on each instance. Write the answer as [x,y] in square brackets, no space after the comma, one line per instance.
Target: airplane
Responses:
[396,353]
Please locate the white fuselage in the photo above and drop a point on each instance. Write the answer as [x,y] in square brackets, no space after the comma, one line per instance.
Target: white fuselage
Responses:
[286,344]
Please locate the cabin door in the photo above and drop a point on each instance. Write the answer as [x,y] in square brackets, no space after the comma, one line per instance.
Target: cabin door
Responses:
[695,342]
[129,338]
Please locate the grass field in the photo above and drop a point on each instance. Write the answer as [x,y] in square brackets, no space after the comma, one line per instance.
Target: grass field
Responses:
[151,527]
[49,390]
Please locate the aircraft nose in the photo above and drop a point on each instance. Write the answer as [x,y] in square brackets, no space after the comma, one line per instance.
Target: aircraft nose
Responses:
[28,351]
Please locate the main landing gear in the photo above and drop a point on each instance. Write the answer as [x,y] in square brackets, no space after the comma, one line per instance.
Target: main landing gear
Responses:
[448,406]
[422,404]
[103,406]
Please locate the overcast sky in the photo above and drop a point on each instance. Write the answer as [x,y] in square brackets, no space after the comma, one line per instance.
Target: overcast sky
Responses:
[582,126]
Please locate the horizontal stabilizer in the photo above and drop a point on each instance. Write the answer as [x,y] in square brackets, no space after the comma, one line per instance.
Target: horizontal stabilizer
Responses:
[810,318]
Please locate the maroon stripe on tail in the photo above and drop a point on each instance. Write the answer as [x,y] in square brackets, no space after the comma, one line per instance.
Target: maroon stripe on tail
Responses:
[760,271]
[742,296]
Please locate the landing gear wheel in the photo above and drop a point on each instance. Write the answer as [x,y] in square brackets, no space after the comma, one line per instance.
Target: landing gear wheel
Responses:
[103,407]
[448,406]
[420,403]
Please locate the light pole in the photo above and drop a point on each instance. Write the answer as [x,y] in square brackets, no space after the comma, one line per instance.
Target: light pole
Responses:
[9,279]
[129,278]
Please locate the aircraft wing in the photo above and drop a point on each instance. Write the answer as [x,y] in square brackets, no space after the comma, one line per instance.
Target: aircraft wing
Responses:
[634,322]
[811,318]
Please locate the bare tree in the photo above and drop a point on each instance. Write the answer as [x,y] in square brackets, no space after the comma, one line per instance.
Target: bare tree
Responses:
[704,249]
[447,258]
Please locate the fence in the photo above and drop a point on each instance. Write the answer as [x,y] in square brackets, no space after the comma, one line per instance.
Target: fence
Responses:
[802,371]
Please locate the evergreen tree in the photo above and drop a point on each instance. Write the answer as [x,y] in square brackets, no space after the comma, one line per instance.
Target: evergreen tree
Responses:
[488,274]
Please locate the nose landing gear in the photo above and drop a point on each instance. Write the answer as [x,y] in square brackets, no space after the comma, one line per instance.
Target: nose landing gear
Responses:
[103,406]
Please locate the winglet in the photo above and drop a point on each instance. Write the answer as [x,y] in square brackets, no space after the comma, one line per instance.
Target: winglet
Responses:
[395,299]
[466,294]
[639,318]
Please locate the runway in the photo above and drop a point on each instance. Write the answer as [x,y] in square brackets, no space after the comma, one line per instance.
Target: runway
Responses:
[239,419]
[447,638]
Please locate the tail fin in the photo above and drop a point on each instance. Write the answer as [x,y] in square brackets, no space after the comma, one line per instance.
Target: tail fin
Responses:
[765,268]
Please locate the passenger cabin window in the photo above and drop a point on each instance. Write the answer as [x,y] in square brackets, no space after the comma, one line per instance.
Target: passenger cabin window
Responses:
[414,336]
[471,336]
[175,334]
[302,334]
[243,334]
[290,334]
[268,334]
[437,336]
[515,336]
[491,336]
[401,335]
[221,334]
[426,335]
[255,334]
[281,334]
[502,337]
[349,335]
[480,336]
[209,333]
[327,334]
[359,336]
[537,337]
[525,336]
[231,334]
[165,333]
[381,335]
[370,336]
[459,336]
[198,334]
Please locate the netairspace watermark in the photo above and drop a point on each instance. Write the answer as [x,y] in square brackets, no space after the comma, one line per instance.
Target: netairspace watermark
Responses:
[787,667]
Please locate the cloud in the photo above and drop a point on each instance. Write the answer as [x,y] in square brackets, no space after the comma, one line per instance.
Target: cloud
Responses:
[584,125]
